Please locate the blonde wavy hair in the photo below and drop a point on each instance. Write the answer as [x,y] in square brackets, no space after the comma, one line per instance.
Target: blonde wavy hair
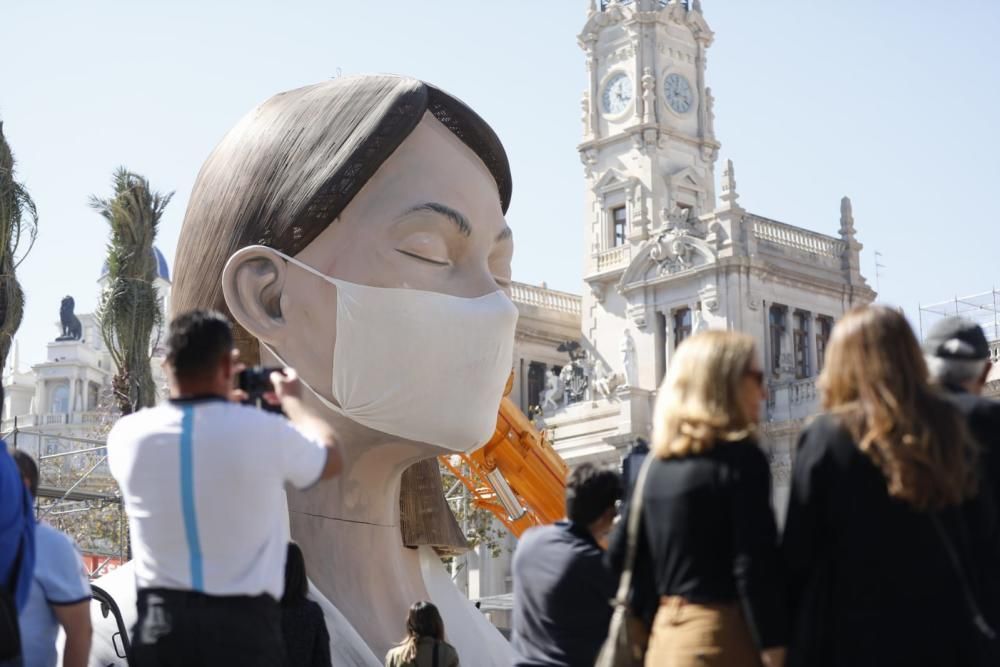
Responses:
[875,381]
[699,401]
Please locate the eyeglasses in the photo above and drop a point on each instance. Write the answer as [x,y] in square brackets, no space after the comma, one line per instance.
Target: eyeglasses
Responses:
[756,375]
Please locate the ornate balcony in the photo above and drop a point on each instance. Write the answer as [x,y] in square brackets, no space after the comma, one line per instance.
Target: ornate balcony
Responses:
[792,400]
[797,238]
[660,3]
[612,258]
[545,298]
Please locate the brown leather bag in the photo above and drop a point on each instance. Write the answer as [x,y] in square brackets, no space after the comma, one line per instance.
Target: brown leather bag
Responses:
[628,635]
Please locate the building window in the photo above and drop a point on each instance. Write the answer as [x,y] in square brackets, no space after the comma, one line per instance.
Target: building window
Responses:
[682,325]
[618,220]
[824,326]
[778,323]
[536,385]
[60,399]
[800,341]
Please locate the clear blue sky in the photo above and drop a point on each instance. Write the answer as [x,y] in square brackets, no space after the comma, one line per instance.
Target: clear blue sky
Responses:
[895,103]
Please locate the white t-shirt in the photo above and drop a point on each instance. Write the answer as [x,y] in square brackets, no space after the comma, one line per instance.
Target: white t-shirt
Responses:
[203,484]
[59,579]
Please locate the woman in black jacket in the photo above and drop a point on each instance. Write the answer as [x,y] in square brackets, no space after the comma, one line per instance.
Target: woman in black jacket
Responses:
[884,545]
[307,642]
[706,573]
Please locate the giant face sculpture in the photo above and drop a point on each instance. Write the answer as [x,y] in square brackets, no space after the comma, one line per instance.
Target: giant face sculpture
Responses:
[354,230]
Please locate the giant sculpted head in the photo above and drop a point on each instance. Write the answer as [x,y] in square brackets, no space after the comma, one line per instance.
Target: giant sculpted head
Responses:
[354,229]
[379,181]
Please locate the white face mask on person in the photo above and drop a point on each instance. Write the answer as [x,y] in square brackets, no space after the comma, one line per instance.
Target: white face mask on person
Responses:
[420,365]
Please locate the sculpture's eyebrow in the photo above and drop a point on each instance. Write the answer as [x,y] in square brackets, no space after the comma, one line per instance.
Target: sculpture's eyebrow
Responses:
[505,233]
[460,220]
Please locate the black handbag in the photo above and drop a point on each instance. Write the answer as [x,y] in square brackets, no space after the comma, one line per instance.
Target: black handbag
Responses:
[628,636]
[986,637]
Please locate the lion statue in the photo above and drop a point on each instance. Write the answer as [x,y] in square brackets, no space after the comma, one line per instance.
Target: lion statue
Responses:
[71,327]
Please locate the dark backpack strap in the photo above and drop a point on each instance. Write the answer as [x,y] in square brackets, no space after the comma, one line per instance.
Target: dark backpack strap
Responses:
[16,568]
[10,634]
[437,645]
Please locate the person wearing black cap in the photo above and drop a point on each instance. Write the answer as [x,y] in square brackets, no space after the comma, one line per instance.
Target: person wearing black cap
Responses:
[958,360]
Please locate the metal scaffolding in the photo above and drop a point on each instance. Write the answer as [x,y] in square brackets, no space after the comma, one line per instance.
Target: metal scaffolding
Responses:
[76,493]
[983,309]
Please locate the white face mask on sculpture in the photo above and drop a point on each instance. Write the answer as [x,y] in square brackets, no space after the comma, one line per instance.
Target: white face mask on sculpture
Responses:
[419,365]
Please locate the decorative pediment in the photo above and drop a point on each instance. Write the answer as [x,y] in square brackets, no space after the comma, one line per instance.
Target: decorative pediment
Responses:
[686,178]
[613,180]
[670,253]
[598,20]
[696,21]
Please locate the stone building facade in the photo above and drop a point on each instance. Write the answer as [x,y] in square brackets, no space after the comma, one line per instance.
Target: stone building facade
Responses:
[668,251]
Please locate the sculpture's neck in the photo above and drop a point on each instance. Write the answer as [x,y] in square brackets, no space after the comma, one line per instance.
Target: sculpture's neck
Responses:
[349,531]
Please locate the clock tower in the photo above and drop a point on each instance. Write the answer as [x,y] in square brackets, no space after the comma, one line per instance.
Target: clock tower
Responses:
[664,257]
[649,152]
[649,148]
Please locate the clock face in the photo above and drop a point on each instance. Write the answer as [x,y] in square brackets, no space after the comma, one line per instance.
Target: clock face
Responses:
[677,91]
[617,94]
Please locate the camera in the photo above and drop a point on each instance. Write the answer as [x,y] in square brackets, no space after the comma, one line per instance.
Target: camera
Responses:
[256,382]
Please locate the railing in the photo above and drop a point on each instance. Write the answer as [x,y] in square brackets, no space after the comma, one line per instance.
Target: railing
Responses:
[53,418]
[543,297]
[613,258]
[661,3]
[797,399]
[789,236]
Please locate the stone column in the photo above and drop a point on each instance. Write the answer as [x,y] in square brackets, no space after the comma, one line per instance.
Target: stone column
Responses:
[811,345]
[72,394]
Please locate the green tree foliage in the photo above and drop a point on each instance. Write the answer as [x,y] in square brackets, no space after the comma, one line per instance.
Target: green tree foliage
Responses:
[480,527]
[130,310]
[18,229]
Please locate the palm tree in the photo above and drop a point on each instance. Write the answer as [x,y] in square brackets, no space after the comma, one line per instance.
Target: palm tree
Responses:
[18,229]
[130,310]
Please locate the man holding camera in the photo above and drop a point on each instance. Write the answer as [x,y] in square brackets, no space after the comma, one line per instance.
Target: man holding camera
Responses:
[203,478]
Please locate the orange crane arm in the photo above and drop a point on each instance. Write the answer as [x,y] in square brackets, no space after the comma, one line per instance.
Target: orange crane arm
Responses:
[517,475]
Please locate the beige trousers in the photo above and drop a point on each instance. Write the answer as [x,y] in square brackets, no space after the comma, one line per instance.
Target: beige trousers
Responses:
[700,635]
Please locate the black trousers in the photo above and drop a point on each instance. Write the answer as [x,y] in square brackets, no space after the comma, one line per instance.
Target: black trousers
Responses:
[187,629]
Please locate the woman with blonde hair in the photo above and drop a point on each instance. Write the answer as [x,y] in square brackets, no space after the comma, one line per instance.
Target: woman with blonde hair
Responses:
[706,573]
[424,645]
[884,543]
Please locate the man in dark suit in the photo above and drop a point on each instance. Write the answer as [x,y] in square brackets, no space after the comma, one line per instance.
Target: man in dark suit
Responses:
[562,588]
[958,358]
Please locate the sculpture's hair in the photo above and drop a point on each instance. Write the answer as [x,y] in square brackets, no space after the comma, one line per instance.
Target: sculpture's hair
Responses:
[875,381]
[288,169]
[699,401]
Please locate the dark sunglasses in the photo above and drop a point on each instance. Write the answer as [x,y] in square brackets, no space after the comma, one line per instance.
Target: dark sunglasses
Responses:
[756,376]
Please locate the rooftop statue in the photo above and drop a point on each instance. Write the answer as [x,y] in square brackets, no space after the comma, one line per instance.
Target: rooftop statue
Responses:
[71,327]
[354,229]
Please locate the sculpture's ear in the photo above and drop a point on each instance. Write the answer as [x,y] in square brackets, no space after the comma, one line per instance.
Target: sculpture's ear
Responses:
[252,283]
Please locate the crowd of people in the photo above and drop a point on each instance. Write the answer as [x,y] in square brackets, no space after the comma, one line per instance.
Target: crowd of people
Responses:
[889,553]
